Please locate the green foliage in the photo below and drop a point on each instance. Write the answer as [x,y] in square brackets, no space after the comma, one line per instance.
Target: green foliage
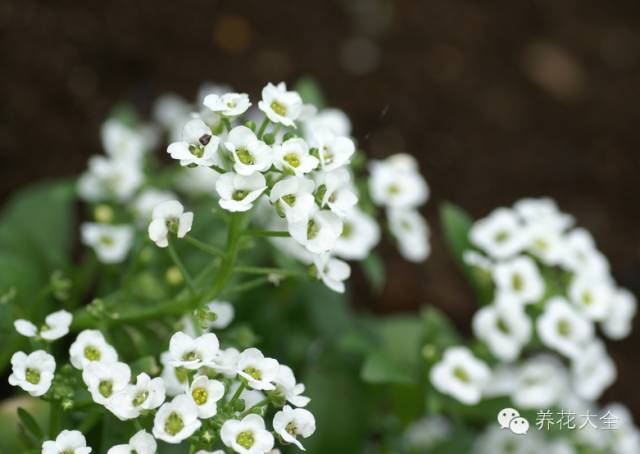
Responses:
[310,92]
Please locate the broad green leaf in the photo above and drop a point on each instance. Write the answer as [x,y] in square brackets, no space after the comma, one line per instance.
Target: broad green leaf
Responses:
[30,423]
[310,92]
[379,368]
[373,268]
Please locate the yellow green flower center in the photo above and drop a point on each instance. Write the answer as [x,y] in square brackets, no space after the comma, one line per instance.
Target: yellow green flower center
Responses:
[173,424]
[32,376]
[196,150]
[279,108]
[312,229]
[292,159]
[587,298]
[106,388]
[190,356]
[106,240]
[291,429]
[245,157]
[564,327]
[140,398]
[461,374]
[92,353]
[290,199]
[246,439]
[253,372]
[517,282]
[501,237]
[502,326]
[239,195]
[200,396]
[393,189]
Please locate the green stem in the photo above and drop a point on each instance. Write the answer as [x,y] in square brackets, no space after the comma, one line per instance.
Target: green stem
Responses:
[267,233]
[205,247]
[264,270]
[89,421]
[236,395]
[54,419]
[227,123]
[262,403]
[181,267]
[248,285]
[263,127]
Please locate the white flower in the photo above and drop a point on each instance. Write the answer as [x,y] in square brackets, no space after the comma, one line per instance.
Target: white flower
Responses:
[396,182]
[280,105]
[226,362]
[148,199]
[238,192]
[319,232]
[141,443]
[520,278]
[193,353]
[333,272]
[90,346]
[336,191]
[593,371]
[427,432]
[286,386]
[169,217]
[540,382]
[109,178]
[334,121]
[543,211]
[500,234]
[170,110]
[334,151]
[293,196]
[146,394]
[545,242]
[224,314]
[248,152]
[56,325]
[176,420]
[67,442]
[360,234]
[622,310]
[205,393]
[581,255]
[121,142]
[290,422]
[461,375]
[247,436]
[250,397]
[292,156]
[199,147]
[563,328]
[33,372]
[504,326]
[260,372]
[412,233]
[197,180]
[175,379]
[592,295]
[229,104]
[110,242]
[105,379]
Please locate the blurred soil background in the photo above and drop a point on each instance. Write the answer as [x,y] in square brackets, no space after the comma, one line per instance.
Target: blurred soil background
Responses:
[497,99]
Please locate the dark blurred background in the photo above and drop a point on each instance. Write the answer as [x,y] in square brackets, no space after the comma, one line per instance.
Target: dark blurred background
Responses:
[497,99]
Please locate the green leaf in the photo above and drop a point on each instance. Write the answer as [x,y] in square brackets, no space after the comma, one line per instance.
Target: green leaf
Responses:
[439,333]
[456,224]
[30,423]
[373,268]
[379,368]
[310,92]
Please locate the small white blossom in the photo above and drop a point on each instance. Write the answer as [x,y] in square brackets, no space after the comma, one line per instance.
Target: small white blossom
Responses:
[56,325]
[290,423]
[67,442]
[280,105]
[239,192]
[141,443]
[174,379]
[148,199]
[500,234]
[122,142]
[540,382]
[519,278]
[334,121]
[224,314]
[247,436]
[198,147]
[110,242]
[169,217]
[412,233]
[197,181]
[545,242]
[593,371]
[563,328]
[336,191]
[292,156]
[249,153]
[334,151]
[319,232]
[228,104]
[105,379]
[581,255]
[250,397]
[171,112]
[333,272]
[543,211]
[193,353]
[176,420]
[146,394]
[396,182]
[205,393]
[622,310]
[260,372]
[33,372]
[591,295]
[504,326]
[286,386]
[360,234]
[109,178]
[90,346]
[461,375]
[226,362]
[293,197]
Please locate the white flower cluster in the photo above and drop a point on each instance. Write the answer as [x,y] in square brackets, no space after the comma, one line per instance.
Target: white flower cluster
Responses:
[221,393]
